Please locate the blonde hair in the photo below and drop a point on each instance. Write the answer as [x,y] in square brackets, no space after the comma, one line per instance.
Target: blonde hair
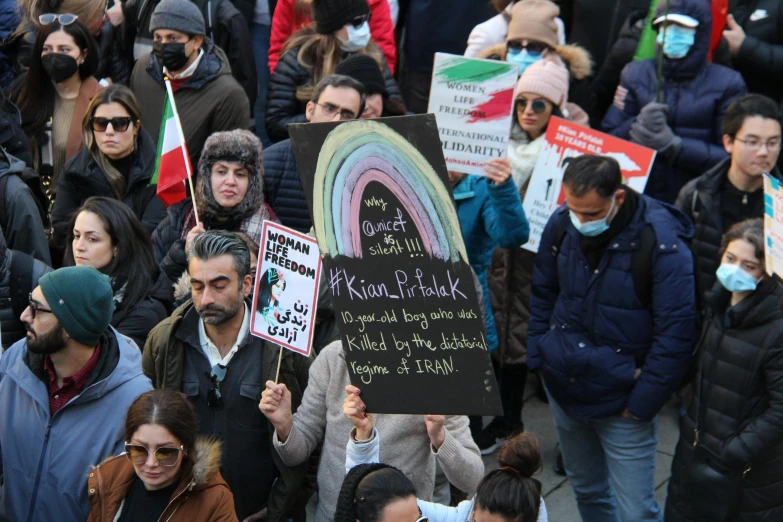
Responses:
[114,94]
[319,54]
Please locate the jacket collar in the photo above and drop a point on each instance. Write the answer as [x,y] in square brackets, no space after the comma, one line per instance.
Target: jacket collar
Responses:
[465,189]
[212,64]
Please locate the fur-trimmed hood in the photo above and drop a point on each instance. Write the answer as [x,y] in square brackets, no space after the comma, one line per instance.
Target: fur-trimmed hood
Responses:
[575,58]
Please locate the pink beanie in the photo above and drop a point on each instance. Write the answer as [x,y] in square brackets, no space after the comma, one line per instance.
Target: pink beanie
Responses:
[546,78]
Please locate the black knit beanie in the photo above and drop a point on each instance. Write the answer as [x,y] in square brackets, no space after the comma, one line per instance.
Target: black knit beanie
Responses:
[365,70]
[331,15]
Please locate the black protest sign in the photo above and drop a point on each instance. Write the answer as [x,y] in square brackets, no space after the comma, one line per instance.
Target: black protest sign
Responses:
[404,294]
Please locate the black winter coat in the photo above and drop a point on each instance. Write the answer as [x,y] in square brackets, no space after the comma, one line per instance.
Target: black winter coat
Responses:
[700,199]
[760,58]
[138,320]
[283,108]
[283,188]
[12,327]
[113,62]
[607,79]
[738,405]
[81,178]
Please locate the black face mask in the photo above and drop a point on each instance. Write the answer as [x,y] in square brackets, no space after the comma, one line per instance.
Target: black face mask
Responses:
[59,67]
[172,55]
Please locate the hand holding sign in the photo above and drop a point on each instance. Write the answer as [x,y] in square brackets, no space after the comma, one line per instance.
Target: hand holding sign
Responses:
[498,170]
[356,412]
[195,231]
[276,406]
[435,430]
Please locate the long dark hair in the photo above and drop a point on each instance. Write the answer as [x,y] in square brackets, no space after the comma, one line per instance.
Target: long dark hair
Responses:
[269,278]
[168,408]
[120,94]
[34,92]
[367,489]
[134,263]
[510,491]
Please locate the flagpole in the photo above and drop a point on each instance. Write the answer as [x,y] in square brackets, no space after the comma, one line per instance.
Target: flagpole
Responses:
[184,153]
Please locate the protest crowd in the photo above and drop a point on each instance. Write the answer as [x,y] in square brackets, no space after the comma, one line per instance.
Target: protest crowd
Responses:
[151,147]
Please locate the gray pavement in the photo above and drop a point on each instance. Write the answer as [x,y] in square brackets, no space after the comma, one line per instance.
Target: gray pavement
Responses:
[558,495]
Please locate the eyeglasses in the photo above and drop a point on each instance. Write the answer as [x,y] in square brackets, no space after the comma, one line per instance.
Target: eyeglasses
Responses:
[330,110]
[64,18]
[214,397]
[118,124]
[532,47]
[35,307]
[755,144]
[359,20]
[139,454]
[539,106]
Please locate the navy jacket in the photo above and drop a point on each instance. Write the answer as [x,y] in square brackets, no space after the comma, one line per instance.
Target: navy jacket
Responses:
[589,331]
[283,188]
[697,93]
[490,215]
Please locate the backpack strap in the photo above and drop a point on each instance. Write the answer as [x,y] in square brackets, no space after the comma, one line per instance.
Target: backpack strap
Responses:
[641,265]
[3,212]
[21,280]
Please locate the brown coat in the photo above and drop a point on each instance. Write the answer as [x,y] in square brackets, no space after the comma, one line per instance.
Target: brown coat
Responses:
[90,87]
[201,496]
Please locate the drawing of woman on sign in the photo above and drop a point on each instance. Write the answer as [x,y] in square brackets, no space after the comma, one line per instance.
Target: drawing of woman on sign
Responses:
[270,290]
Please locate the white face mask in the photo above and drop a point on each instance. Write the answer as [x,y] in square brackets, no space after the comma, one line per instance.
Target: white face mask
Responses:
[358,38]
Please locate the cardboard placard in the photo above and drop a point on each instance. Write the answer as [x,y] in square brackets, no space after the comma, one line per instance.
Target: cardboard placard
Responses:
[773,225]
[286,292]
[472,100]
[565,140]
[402,289]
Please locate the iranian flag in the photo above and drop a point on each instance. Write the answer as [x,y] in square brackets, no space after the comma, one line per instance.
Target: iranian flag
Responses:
[172,166]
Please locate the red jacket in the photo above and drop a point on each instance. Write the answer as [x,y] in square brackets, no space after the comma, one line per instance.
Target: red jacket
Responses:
[284,23]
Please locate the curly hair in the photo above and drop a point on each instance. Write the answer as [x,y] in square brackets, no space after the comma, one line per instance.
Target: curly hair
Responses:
[367,490]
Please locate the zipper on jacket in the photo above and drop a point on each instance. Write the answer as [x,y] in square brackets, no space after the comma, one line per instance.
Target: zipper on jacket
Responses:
[186,490]
[34,496]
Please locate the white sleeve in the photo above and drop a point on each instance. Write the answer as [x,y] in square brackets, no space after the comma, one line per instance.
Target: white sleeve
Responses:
[364,453]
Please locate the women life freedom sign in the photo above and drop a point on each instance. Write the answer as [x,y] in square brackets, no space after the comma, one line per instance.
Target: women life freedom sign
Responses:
[563,141]
[472,100]
[286,292]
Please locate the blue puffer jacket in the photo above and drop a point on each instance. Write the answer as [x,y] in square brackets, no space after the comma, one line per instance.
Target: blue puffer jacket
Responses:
[45,460]
[283,189]
[491,216]
[697,93]
[588,330]
[9,21]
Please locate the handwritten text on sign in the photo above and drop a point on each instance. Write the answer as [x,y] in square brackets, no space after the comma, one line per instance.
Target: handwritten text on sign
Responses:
[472,100]
[286,291]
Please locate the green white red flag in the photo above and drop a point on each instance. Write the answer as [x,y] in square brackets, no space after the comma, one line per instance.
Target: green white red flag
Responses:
[172,165]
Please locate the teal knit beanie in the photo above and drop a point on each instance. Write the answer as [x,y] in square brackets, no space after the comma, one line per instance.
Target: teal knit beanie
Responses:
[81,299]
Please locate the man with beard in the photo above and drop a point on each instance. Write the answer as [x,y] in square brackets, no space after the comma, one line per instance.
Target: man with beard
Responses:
[64,391]
[205,350]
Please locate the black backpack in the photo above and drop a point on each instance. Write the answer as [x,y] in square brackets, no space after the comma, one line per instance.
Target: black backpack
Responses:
[31,179]
[21,281]
[641,261]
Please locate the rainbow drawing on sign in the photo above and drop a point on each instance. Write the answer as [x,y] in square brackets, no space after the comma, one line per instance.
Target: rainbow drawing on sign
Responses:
[360,152]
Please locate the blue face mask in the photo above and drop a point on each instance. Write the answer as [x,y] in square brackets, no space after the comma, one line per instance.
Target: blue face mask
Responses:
[679,41]
[523,58]
[593,228]
[735,279]
[357,38]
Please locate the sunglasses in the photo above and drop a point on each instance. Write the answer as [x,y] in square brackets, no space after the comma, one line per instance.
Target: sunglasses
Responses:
[64,19]
[359,20]
[532,47]
[539,106]
[138,454]
[118,124]
[35,307]
[214,397]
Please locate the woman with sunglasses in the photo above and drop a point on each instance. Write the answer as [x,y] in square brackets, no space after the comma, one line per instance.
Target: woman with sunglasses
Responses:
[117,161]
[53,95]
[166,473]
[533,36]
[340,29]
[507,494]
[104,234]
[542,92]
